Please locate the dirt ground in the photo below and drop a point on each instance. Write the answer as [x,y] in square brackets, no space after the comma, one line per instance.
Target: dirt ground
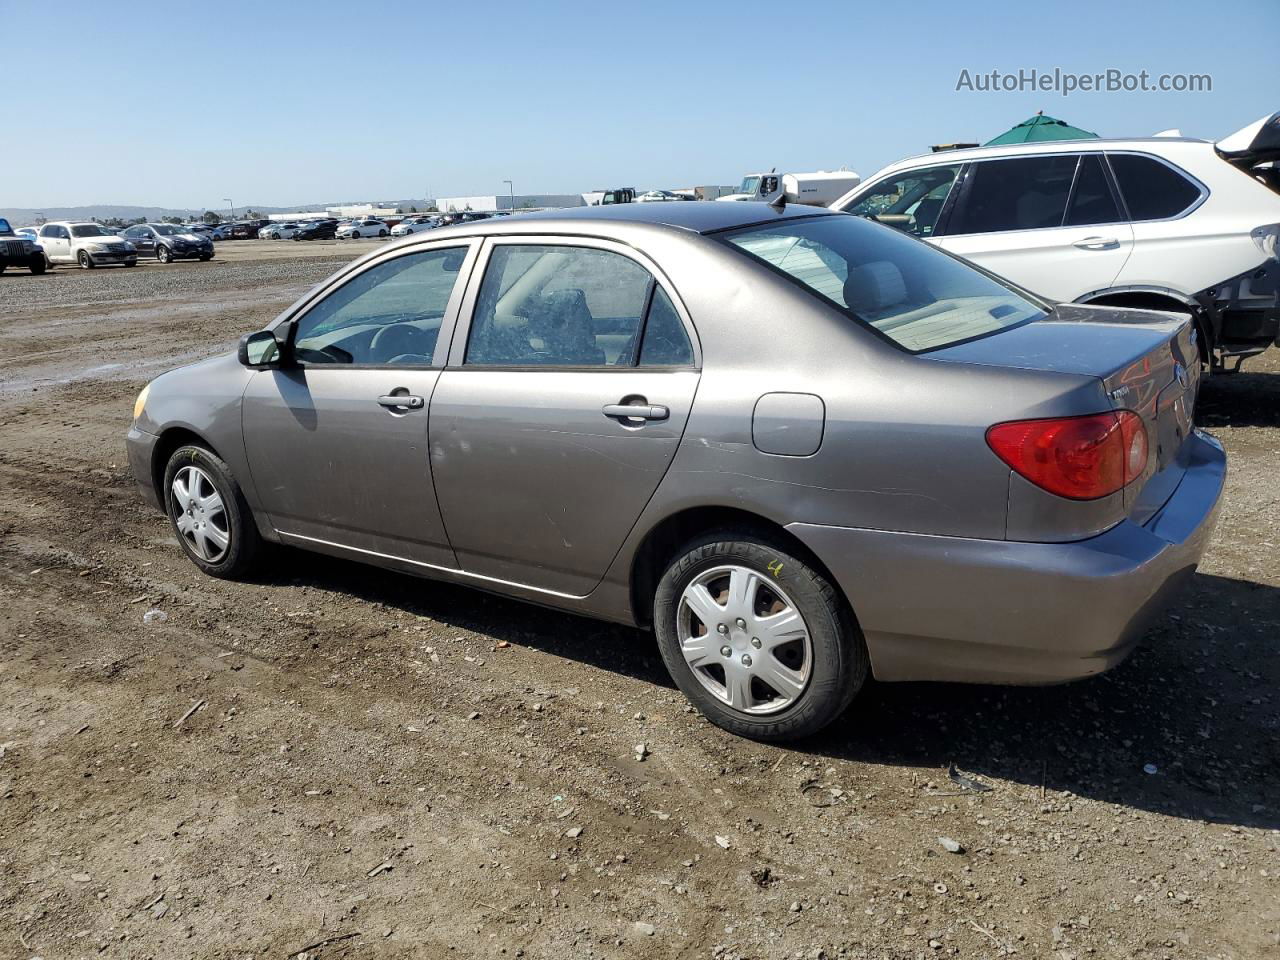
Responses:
[349,763]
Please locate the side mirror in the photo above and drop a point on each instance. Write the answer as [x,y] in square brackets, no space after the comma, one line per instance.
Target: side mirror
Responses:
[260,350]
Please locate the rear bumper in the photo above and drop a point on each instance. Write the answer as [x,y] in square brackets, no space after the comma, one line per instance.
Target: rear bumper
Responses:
[141,448]
[990,611]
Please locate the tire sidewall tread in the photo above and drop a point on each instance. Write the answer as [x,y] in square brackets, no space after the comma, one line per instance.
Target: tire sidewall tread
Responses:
[246,541]
[840,662]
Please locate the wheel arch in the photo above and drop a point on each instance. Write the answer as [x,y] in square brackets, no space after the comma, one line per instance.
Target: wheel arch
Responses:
[171,438]
[667,536]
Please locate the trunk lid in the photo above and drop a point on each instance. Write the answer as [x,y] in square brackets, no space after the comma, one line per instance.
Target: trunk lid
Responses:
[1147,361]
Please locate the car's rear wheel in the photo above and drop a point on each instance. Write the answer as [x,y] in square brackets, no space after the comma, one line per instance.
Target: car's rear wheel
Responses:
[209,514]
[163,254]
[758,640]
[85,261]
[382,233]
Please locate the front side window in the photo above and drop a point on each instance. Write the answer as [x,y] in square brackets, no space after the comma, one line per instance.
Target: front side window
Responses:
[562,306]
[910,201]
[389,315]
[905,290]
[1152,190]
[1023,193]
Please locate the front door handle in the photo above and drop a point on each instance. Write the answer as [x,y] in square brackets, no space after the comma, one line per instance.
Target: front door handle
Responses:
[398,400]
[1097,243]
[635,411]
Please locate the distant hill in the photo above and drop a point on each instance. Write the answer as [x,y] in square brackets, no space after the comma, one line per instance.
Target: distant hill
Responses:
[22,216]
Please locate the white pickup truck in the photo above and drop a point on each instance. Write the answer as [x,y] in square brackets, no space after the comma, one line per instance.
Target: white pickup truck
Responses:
[818,189]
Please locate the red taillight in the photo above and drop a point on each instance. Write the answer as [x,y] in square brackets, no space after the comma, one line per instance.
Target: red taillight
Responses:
[1082,458]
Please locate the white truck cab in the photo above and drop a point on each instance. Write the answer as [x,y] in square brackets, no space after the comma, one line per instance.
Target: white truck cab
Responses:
[817,189]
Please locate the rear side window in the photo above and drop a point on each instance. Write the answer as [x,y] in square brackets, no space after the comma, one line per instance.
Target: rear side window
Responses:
[1092,202]
[558,306]
[1152,190]
[1025,193]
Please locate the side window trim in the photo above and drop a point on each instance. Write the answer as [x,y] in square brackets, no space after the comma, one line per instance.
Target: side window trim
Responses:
[448,322]
[953,198]
[466,314]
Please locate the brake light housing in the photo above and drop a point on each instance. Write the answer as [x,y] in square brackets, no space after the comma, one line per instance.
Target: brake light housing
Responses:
[1079,458]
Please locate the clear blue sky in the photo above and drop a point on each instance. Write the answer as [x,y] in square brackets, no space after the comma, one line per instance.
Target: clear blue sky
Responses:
[282,103]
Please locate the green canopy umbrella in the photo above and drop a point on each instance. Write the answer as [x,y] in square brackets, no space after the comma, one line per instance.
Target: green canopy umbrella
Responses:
[1041,127]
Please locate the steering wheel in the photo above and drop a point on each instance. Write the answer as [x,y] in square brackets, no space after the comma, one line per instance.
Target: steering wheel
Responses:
[393,340]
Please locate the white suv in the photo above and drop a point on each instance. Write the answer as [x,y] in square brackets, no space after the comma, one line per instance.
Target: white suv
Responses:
[1161,223]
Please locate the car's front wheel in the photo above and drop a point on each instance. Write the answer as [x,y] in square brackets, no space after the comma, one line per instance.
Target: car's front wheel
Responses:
[85,261]
[163,254]
[209,514]
[355,234]
[37,265]
[758,639]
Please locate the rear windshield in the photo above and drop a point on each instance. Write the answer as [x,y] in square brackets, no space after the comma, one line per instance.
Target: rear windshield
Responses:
[900,287]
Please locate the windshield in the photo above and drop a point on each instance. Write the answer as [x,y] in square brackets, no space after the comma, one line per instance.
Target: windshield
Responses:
[4,226]
[167,229]
[749,185]
[88,230]
[902,288]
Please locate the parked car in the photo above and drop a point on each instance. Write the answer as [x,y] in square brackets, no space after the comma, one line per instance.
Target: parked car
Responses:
[247,229]
[65,241]
[659,196]
[168,242]
[221,232]
[317,230]
[1162,223]
[26,232]
[413,225]
[279,231]
[693,416]
[18,250]
[366,227]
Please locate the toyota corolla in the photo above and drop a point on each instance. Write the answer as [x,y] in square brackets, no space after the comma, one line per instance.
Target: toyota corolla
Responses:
[802,447]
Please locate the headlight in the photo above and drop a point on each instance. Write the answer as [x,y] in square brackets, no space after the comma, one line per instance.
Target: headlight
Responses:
[141,402]
[97,247]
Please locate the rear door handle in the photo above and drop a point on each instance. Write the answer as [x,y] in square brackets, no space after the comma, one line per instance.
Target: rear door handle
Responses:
[1097,243]
[402,400]
[635,411]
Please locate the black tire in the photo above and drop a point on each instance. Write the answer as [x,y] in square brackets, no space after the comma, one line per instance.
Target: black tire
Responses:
[355,234]
[245,543]
[85,261]
[4,265]
[36,265]
[382,233]
[131,263]
[205,257]
[839,664]
[163,254]
[48,264]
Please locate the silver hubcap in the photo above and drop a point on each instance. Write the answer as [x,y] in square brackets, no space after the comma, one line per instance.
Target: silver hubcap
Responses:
[199,514]
[744,639]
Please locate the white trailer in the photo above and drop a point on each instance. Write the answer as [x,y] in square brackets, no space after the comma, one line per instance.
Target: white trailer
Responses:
[818,189]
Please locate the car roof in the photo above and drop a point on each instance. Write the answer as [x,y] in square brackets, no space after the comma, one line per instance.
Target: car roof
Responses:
[1144,144]
[706,216]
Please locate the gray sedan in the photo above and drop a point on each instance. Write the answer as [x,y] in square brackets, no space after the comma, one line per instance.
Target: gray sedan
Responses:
[802,447]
